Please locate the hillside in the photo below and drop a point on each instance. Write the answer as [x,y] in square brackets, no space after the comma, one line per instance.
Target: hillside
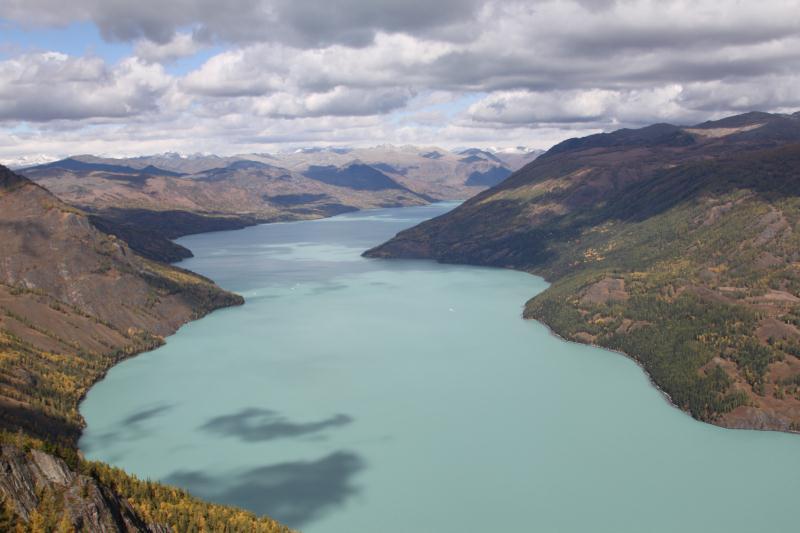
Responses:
[676,245]
[73,302]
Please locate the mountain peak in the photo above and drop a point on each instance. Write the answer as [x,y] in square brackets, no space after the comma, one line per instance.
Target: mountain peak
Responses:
[661,134]
[9,179]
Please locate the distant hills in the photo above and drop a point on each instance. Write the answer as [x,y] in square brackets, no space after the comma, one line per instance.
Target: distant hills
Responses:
[676,245]
[148,200]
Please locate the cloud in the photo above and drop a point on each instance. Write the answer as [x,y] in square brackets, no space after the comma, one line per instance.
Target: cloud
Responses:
[599,107]
[339,101]
[181,45]
[50,86]
[248,72]
[306,24]
[360,71]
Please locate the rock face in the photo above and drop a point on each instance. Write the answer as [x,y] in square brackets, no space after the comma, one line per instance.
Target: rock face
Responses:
[28,479]
[677,245]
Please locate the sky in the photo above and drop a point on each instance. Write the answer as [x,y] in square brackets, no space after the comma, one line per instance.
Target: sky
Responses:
[132,77]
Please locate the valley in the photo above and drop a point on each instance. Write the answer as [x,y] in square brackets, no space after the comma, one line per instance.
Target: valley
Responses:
[150,200]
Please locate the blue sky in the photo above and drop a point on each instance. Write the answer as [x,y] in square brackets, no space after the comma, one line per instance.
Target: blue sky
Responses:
[76,39]
[83,39]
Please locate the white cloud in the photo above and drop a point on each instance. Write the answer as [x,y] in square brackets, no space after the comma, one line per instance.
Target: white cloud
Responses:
[51,86]
[367,71]
[339,101]
[248,72]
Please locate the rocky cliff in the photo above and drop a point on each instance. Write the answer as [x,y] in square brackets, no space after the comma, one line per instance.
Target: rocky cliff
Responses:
[39,488]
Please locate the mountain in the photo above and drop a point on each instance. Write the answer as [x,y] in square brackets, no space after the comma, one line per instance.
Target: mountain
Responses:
[516,158]
[74,301]
[430,171]
[78,165]
[675,245]
[353,176]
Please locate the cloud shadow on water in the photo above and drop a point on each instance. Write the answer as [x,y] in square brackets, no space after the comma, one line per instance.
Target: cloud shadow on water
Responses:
[295,493]
[145,414]
[128,429]
[254,424]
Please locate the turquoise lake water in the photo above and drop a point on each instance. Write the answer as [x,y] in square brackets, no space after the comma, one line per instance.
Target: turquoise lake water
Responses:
[356,395]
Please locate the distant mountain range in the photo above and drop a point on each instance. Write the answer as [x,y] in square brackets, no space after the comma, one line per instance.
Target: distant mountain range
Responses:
[679,246]
[148,200]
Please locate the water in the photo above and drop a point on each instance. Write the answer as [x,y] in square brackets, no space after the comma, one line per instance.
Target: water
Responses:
[352,395]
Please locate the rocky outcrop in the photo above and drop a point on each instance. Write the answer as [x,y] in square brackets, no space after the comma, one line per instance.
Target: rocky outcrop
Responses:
[36,483]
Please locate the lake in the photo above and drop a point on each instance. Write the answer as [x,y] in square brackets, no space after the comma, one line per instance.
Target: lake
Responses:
[355,395]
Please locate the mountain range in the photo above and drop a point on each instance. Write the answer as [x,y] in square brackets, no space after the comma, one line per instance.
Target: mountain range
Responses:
[149,200]
[678,246]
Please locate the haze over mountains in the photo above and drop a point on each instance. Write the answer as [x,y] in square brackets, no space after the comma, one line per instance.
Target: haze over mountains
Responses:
[676,245]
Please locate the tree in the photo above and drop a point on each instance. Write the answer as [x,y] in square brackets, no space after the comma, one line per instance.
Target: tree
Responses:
[8,517]
[65,524]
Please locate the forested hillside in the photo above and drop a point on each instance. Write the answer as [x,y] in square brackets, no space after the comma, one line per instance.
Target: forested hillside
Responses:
[676,245]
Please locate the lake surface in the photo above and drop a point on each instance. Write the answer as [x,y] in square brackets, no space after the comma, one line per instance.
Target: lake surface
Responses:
[354,395]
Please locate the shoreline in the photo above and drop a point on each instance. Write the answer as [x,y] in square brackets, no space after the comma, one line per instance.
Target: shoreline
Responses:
[163,342]
[664,394]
